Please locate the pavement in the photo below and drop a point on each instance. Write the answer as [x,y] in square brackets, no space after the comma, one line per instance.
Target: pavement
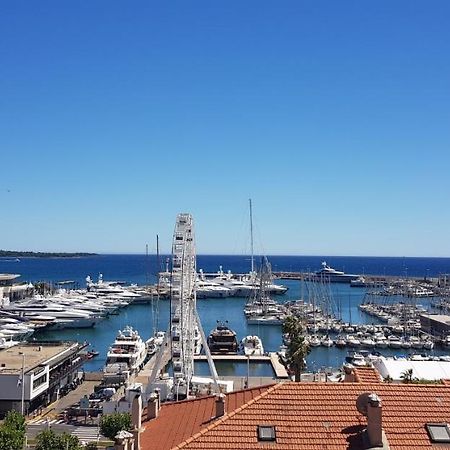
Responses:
[55,409]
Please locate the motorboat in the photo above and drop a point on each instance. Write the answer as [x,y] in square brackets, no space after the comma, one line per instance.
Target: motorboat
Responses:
[328,274]
[126,356]
[7,343]
[252,345]
[394,341]
[314,341]
[222,340]
[356,359]
[340,342]
[327,342]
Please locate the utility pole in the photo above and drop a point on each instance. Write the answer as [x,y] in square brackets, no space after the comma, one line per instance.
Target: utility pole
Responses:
[22,404]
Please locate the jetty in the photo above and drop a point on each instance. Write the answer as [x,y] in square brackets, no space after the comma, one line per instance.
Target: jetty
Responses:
[272,358]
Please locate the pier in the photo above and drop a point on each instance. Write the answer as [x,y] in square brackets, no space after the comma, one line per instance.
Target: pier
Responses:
[272,358]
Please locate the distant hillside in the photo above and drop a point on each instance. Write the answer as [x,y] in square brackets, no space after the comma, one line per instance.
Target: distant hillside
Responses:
[15,254]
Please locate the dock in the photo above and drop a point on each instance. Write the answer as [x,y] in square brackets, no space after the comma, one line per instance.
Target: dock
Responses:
[272,358]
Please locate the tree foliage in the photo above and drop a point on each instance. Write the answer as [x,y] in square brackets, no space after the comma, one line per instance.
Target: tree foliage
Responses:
[407,376]
[298,346]
[49,440]
[111,424]
[12,432]
[91,446]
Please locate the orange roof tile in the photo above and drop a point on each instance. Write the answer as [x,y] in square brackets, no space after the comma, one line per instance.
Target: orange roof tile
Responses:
[366,375]
[308,415]
[179,421]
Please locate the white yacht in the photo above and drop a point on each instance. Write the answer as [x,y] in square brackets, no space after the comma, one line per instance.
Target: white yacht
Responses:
[7,343]
[127,354]
[252,345]
[70,317]
[328,274]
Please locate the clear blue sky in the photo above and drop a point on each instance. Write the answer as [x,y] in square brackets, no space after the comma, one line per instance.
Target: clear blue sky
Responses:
[333,116]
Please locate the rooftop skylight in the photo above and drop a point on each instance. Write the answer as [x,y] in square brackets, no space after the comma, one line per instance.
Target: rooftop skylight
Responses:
[438,432]
[266,433]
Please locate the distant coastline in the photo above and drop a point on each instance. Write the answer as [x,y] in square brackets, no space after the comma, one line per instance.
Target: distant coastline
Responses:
[16,254]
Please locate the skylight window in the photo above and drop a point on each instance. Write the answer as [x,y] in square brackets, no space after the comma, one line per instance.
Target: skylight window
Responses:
[438,432]
[266,433]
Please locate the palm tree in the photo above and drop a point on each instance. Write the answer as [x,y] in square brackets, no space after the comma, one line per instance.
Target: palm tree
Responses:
[298,346]
[297,351]
[292,326]
[407,376]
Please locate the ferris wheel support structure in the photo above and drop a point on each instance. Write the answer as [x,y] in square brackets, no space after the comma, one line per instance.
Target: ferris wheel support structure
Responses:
[184,320]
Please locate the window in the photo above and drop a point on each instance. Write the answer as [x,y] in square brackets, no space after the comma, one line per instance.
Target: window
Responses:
[438,432]
[266,433]
[39,381]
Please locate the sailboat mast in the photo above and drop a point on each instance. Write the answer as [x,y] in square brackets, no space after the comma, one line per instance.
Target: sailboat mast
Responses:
[251,237]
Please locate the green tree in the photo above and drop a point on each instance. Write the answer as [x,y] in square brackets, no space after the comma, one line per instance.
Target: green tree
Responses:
[407,376]
[111,424]
[298,346]
[12,432]
[91,446]
[49,440]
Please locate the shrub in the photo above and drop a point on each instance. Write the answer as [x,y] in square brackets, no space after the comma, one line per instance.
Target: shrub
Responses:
[111,424]
[49,440]
[12,432]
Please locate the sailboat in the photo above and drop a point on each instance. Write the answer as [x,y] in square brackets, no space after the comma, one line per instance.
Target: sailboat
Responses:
[261,309]
[252,277]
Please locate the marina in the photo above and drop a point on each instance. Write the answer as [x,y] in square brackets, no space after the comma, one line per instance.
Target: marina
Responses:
[211,310]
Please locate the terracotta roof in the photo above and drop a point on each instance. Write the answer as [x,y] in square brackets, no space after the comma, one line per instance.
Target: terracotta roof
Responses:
[308,415]
[366,375]
[177,422]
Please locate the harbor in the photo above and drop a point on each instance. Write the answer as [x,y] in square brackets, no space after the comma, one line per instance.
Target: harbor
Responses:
[347,302]
[123,348]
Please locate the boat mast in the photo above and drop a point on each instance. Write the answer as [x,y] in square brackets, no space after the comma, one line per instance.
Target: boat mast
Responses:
[156,310]
[251,237]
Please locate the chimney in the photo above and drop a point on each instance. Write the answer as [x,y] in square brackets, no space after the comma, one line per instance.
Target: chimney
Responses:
[153,406]
[374,422]
[136,418]
[136,411]
[220,405]
[349,374]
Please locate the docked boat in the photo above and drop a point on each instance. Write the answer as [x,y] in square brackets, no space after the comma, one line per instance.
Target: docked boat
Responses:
[328,274]
[261,309]
[252,345]
[222,340]
[126,356]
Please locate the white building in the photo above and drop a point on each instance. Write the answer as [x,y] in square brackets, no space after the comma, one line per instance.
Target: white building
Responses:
[35,373]
[422,370]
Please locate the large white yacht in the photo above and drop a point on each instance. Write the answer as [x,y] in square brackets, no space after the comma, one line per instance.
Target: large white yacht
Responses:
[126,356]
[328,274]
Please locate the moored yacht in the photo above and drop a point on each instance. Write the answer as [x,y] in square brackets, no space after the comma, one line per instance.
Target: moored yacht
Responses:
[222,340]
[126,356]
[328,274]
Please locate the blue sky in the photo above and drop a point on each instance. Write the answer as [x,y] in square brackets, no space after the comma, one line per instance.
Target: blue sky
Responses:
[332,116]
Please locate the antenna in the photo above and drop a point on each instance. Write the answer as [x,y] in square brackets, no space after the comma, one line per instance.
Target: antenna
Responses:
[363,401]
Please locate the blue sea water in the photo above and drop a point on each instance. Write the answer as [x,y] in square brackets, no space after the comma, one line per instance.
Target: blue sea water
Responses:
[141,269]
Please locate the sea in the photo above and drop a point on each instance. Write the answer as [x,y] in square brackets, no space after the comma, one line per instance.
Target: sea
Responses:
[146,318]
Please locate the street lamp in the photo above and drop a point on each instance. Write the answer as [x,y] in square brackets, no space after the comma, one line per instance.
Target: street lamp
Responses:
[248,371]
[22,403]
